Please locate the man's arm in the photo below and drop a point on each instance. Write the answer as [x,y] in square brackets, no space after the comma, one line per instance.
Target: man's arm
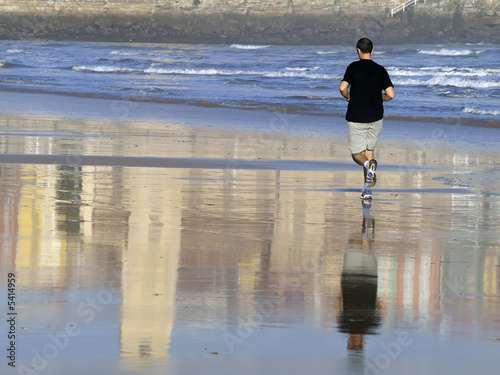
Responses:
[343,88]
[389,94]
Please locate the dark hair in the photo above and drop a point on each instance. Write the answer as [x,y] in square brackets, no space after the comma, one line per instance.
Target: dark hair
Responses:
[365,45]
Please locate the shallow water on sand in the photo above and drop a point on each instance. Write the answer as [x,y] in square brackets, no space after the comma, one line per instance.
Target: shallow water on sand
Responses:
[219,268]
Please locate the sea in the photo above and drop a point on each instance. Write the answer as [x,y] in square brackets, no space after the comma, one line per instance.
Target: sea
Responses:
[452,81]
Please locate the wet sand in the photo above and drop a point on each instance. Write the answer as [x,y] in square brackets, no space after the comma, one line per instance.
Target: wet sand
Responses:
[175,239]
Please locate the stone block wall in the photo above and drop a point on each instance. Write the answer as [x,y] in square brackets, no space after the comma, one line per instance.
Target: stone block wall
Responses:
[253,21]
[246,7]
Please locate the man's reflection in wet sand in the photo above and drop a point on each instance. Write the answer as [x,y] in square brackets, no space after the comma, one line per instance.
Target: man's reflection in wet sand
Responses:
[359,313]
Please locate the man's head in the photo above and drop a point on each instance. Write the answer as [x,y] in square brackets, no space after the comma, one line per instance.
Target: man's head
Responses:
[365,45]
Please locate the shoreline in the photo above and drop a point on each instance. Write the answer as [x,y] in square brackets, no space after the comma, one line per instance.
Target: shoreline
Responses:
[96,133]
[122,107]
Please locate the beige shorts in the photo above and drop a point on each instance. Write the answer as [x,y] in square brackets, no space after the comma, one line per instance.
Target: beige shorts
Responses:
[363,136]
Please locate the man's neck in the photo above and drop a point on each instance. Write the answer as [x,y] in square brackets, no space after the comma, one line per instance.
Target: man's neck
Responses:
[365,56]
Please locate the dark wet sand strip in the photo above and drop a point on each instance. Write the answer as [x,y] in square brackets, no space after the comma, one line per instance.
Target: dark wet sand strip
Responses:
[195,163]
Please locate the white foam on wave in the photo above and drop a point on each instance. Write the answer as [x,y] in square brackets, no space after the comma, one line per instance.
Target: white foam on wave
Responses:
[407,72]
[317,87]
[208,71]
[448,81]
[300,69]
[226,72]
[478,111]
[468,93]
[472,72]
[443,71]
[103,69]
[464,83]
[248,46]
[278,74]
[17,51]
[123,53]
[450,52]
[326,52]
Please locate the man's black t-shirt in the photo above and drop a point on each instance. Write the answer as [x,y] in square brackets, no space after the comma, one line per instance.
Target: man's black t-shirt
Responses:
[367,80]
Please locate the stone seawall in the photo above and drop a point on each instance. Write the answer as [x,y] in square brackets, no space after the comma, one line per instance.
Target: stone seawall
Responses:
[252,21]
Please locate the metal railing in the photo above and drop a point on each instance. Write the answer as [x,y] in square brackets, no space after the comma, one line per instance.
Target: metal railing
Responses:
[402,7]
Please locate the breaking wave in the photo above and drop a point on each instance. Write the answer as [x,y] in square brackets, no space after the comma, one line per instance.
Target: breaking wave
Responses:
[227,72]
[123,53]
[450,52]
[103,69]
[248,46]
[444,71]
[326,52]
[13,50]
[478,111]
[447,81]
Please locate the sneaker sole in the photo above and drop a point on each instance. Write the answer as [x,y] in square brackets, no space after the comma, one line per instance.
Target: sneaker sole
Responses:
[366,197]
[371,177]
[371,181]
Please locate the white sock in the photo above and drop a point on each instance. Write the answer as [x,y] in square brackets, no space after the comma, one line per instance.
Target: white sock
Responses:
[366,164]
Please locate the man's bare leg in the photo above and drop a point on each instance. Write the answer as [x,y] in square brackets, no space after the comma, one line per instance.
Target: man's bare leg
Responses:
[370,154]
[362,157]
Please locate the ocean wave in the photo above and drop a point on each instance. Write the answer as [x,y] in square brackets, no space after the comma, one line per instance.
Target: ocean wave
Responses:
[478,111]
[103,69]
[121,89]
[12,51]
[407,72]
[300,69]
[226,72]
[278,74]
[468,93]
[5,65]
[326,52]
[155,91]
[322,87]
[15,81]
[242,82]
[123,53]
[450,52]
[316,97]
[248,46]
[446,81]
[472,72]
[444,71]
[208,71]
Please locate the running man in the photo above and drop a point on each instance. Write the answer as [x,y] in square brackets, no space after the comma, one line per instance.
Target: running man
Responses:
[365,86]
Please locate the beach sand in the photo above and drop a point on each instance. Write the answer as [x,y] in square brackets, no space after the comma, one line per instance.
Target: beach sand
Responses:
[151,238]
